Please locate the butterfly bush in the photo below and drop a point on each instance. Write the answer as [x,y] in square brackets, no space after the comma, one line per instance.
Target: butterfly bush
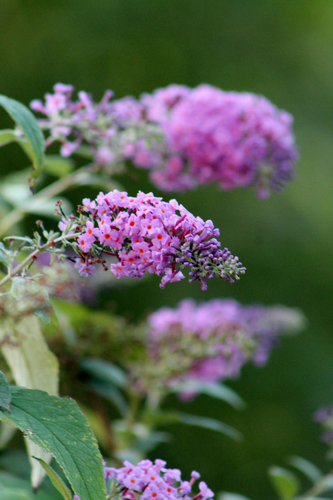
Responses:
[184,137]
[325,417]
[234,139]
[145,233]
[209,342]
[152,481]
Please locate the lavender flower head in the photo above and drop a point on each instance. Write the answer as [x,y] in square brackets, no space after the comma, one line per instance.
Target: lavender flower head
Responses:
[209,342]
[109,127]
[325,417]
[234,139]
[144,233]
[151,481]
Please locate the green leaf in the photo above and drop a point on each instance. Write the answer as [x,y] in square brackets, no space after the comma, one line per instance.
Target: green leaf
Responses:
[11,485]
[7,136]
[31,362]
[285,482]
[60,428]
[20,238]
[218,391]
[14,494]
[110,393]
[56,480]
[33,366]
[226,495]
[310,470]
[5,395]
[145,445]
[33,134]
[3,257]
[210,423]
[21,289]
[58,166]
[104,370]
[6,434]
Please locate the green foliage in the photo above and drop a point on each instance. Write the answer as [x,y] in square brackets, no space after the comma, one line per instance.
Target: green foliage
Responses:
[285,482]
[309,469]
[59,427]
[34,145]
[5,395]
[218,391]
[58,166]
[56,480]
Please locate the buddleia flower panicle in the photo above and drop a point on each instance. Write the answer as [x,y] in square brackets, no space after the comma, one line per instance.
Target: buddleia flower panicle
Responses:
[325,417]
[235,139]
[153,481]
[145,233]
[209,342]
[184,137]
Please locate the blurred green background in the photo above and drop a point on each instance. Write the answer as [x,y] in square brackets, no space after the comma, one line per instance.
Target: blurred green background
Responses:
[282,49]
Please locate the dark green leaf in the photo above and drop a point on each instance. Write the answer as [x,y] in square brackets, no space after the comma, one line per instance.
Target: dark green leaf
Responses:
[210,423]
[33,134]
[104,370]
[58,426]
[56,480]
[145,445]
[5,395]
[11,485]
[111,393]
[285,482]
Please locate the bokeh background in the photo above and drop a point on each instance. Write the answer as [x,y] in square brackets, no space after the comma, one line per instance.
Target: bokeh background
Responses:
[282,49]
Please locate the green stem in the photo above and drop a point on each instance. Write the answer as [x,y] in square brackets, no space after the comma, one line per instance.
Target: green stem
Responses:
[318,488]
[132,410]
[57,187]
[43,248]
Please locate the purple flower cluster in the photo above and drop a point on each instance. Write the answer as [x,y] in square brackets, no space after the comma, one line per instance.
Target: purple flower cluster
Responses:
[325,416]
[145,233]
[108,127]
[234,139]
[149,481]
[184,137]
[209,342]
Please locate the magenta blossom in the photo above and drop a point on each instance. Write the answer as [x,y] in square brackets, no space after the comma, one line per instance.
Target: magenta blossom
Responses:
[184,137]
[234,139]
[208,342]
[153,481]
[144,233]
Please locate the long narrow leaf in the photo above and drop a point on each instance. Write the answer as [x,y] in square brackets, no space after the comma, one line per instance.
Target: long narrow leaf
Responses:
[218,391]
[210,423]
[310,470]
[55,479]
